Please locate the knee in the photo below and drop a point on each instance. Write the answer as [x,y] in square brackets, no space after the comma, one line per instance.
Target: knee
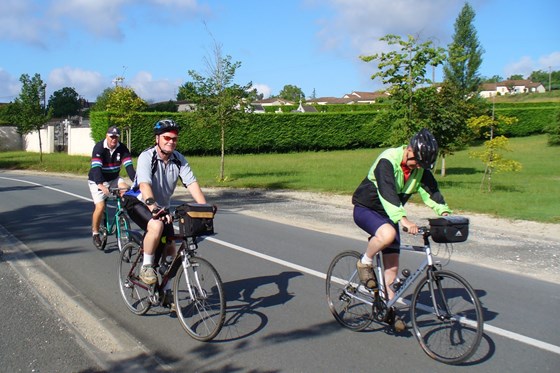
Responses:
[155,227]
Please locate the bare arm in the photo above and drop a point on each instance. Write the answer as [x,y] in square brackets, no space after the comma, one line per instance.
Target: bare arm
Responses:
[196,192]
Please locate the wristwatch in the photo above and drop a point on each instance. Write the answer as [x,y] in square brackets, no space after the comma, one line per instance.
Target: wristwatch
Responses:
[150,201]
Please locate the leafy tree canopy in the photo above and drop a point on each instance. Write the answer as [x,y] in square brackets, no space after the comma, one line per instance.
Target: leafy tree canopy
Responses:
[291,93]
[65,102]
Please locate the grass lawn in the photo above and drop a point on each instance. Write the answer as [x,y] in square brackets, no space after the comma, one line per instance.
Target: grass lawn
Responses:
[531,194]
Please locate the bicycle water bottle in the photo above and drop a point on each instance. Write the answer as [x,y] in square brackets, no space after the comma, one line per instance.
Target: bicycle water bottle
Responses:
[396,285]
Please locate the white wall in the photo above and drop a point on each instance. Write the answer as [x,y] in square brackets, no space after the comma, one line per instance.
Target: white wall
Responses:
[31,141]
[80,141]
[10,139]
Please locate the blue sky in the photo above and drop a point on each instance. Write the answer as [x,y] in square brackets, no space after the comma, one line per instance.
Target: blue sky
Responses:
[313,44]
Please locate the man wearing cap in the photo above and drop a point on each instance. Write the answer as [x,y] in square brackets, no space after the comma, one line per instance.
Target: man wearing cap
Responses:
[106,159]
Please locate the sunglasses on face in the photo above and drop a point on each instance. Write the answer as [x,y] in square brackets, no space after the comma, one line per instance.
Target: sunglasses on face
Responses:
[114,137]
[170,138]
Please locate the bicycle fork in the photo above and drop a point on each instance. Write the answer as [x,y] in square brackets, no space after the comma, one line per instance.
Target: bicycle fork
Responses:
[195,290]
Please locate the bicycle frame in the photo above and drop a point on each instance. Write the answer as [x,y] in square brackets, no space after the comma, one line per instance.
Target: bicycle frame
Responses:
[111,221]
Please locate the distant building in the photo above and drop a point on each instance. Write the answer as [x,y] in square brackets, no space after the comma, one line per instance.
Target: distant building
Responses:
[510,87]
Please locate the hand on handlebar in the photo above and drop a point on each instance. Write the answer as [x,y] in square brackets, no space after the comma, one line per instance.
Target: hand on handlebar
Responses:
[409,226]
[162,214]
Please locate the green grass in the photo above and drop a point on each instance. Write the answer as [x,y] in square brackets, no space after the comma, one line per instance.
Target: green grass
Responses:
[532,194]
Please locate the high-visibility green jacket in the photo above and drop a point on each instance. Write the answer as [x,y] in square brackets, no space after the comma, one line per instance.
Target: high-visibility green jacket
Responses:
[385,191]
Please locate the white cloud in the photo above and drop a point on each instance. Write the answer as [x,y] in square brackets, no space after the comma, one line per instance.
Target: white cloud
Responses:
[88,84]
[154,90]
[263,88]
[526,65]
[10,87]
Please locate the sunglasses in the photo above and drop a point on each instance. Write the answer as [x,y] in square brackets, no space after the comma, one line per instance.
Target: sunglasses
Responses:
[170,138]
[114,137]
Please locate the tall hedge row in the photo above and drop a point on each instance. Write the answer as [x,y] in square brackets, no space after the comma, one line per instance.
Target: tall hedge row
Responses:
[289,132]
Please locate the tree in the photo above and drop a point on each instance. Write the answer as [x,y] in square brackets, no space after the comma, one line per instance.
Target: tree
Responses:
[218,99]
[493,79]
[123,104]
[465,54]
[187,92]
[291,93]
[65,102]
[32,113]
[516,77]
[444,110]
[549,79]
[102,100]
[404,69]
[492,155]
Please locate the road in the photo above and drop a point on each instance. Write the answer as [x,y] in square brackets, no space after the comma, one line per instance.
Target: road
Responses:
[277,318]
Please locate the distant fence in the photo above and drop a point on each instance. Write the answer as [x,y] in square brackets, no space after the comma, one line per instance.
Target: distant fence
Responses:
[77,140]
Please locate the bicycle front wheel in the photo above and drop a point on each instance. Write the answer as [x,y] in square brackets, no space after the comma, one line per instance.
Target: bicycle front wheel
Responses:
[343,296]
[123,225]
[134,292]
[446,317]
[199,299]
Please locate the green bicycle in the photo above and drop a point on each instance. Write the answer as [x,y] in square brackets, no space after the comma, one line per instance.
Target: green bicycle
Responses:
[117,224]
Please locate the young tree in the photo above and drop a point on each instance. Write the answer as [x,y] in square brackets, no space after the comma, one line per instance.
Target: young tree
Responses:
[291,93]
[102,100]
[218,99]
[123,104]
[404,69]
[492,155]
[465,54]
[32,113]
[65,102]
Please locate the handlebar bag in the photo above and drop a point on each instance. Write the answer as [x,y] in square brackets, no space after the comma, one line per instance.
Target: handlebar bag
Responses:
[449,229]
[196,219]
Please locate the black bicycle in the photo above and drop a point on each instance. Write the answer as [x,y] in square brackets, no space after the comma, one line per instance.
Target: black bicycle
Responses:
[446,314]
[198,295]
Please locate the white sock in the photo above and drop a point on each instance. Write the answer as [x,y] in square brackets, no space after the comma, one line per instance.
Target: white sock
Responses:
[148,259]
[367,260]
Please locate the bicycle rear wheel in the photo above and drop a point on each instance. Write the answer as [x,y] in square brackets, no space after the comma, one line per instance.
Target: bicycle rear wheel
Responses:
[123,226]
[342,292]
[202,316]
[454,335]
[135,293]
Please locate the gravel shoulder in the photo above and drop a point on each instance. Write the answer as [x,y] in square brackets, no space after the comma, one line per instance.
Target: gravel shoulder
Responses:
[522,247]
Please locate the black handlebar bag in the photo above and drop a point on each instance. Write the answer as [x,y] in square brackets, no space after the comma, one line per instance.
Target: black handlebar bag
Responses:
[449,229]
[195,219]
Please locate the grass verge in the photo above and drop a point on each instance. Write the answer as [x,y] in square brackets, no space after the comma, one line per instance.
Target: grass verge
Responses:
[531,194]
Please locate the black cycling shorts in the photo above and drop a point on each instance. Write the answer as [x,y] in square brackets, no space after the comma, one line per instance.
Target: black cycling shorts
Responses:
[141,215]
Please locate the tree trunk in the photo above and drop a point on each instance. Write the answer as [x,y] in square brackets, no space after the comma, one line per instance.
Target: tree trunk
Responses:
[223,150]
[40,146]
[442,166]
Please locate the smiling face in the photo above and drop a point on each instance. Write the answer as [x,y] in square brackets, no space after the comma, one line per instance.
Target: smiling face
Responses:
[167,141]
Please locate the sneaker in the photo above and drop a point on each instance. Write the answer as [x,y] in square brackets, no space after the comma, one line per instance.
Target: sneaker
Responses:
[167,300]
[365,272]
[97,241]
[395,321]
[148,275]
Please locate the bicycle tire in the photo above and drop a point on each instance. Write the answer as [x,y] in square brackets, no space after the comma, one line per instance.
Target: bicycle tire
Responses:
[342,282]
[203,317]
[454,337]
[134,292]
[123,225]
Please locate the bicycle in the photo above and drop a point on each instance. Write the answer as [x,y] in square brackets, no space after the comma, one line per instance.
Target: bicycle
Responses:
[445,312]
[198,294]
[117,224]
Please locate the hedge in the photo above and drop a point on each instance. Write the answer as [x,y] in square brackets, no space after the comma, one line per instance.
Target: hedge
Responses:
[288,132]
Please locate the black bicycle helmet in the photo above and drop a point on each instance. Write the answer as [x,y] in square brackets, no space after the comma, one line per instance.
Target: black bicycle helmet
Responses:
[165,125]
[425,148]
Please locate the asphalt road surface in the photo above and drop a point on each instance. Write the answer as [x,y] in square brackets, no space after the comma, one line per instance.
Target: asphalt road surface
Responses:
[59,289]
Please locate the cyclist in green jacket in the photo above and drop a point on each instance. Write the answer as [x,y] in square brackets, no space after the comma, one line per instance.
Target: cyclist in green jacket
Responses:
[379,203]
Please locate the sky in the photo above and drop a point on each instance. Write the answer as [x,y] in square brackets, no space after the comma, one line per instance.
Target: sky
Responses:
[312,44]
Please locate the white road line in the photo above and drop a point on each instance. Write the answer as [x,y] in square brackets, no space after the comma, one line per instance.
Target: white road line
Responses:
[487,327]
